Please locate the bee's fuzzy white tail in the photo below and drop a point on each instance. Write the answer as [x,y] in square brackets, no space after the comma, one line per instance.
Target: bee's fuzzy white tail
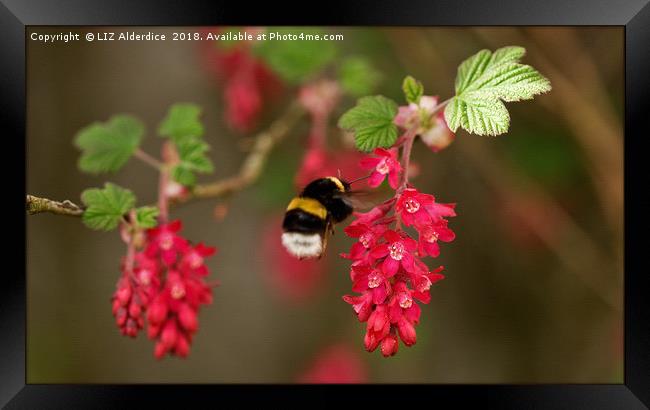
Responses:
[303,245]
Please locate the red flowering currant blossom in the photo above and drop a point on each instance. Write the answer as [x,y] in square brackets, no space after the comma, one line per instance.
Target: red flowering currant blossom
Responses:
[127,308]
[167,281]
[430,234]
[432,128]
[193,259]
[412,207]
[173,313]
[368,236]
[387,270]
[163,241]
[367,279]
[386,163]
[397,251]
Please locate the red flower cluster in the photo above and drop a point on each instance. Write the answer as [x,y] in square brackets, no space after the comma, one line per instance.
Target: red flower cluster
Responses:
[248,83]
[167,284]
[387,269]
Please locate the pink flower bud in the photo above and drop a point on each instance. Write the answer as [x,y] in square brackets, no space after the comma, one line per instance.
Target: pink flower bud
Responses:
[370,342]
[182,348]
[120,316]
[169,334]
[187,317]
[159,350]
[123,294]
[406,332]
[134,309]
[152,331]
[389,345]
[157,311]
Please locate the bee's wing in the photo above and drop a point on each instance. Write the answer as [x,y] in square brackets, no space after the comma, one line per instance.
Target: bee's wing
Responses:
[360,200]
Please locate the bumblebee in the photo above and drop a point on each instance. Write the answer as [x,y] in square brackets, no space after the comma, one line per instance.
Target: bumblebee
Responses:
[311,216]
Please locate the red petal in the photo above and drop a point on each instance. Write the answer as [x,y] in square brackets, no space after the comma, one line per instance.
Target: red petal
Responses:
[355,231]
[382,152]
[393,178]
[375,179]
[369,162]
[389,267]
[392,236]
[379,251]
[175,226]
[445,234]
[431,248]
[379,294]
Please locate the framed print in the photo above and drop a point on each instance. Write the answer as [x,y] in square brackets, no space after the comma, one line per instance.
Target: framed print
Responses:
[445,200]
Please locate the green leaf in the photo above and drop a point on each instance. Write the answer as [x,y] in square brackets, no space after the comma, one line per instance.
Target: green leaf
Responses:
[145,216]
[481,116]
[106,147]
[485,80]
[182,121]
[183,175]
[413,89]
[372,122]
[105,207]
[357,76]
[295,60]
[192,154]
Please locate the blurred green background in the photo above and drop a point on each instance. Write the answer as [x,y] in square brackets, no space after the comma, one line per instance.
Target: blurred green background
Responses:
[533,292]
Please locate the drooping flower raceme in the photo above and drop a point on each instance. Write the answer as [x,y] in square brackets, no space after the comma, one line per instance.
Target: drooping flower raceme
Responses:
[387,270]
[166,284]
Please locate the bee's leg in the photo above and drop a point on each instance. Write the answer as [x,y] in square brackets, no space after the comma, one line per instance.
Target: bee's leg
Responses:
[329,228]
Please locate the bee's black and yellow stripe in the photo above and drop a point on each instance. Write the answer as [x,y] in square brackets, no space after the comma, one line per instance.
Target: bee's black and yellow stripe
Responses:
[321,204]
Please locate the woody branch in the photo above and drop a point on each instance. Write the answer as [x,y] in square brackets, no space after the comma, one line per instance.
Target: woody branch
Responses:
[249,172]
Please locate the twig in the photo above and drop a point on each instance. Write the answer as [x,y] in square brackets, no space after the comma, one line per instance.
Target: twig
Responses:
[409,137]
[148,159]
[255,161]
[36,205]
[248,173]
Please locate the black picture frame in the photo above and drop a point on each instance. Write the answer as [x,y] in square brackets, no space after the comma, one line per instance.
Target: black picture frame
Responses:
[634,393]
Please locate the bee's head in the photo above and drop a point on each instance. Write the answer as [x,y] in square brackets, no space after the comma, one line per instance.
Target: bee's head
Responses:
[341,185]
[324,188]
